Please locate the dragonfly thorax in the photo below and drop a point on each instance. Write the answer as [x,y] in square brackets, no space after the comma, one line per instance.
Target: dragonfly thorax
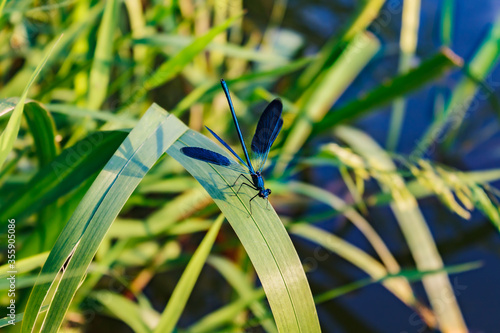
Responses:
[258,182]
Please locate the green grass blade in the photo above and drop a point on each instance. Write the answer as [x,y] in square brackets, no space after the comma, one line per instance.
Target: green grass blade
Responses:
[104,115]
[184,287]
[176,42]
[19,317]
[124,309]
[408,46]
[447,22]
[263,237]
[137,19]
[484,203]
[81,237]
[9,135]
[26,264]
[240,282]
[322,93]
[356,256]
[483,62]
[399,86]
[42,128]
[175,65]
[357,219]
[58,47]
[208,90]
[103,56]
[412,275]
[67,171]
[332,50]
[226,314]
[2,5]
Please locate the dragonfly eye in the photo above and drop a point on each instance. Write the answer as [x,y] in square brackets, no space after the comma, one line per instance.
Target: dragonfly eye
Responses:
[268,191]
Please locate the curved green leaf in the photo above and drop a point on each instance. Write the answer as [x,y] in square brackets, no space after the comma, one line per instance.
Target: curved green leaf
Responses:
[263,236]
[124,309]
[184,287]
[85,230]
[67,171]
[42,128]
[173,66]
[9,135]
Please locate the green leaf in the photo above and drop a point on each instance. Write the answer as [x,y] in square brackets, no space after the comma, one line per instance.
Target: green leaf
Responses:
[227,314]
[9,135]
[173,43]
[447,22]
[81,237]
[41,125]
[367,12]
[262,235]
[124,309]
[26,264]
[2,5]
[244,287]
[483,62]
[399,287]
[67,171]
[324,92]
[104,115]
[184,287]
[103,56]
[399,86]
[408,46]
[412,275]
[42,128]
[175,65]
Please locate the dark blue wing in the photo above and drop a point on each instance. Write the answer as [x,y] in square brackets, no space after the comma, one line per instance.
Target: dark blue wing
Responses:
[268,128]
[212,157]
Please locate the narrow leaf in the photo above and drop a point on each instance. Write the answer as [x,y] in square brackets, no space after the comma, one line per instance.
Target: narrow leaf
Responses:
[184,287]
[262,235]
[81,237]
[399,86]
[9,135]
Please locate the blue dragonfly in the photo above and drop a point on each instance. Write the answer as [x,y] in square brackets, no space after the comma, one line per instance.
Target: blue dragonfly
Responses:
[268,127]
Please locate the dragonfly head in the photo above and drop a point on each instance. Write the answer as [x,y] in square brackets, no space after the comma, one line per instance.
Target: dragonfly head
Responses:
[265,193]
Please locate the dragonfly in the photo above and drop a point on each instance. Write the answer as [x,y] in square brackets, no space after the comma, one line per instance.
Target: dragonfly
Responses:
[268,128]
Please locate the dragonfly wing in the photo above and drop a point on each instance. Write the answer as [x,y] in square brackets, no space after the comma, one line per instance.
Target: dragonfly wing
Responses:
[261,158]
[212,157]
[228,148]
[268,128]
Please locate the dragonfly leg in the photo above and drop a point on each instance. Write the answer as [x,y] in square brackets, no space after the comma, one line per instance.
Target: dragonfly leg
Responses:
[250,202]
[242,175]
[251,186]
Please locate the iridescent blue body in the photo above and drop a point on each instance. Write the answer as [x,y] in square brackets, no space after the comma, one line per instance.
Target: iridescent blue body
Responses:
[268,127]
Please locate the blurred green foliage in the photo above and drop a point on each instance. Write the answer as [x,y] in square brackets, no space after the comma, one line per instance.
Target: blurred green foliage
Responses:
[102,66]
